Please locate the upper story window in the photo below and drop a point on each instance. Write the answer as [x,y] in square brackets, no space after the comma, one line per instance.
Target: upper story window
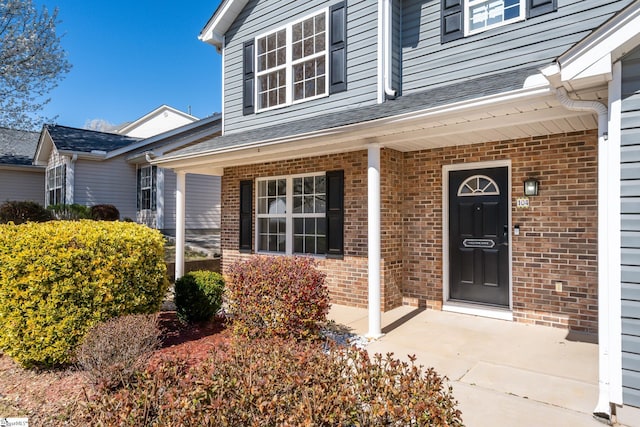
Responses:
[485,14]
[461,18]
[301,61]
[292,63]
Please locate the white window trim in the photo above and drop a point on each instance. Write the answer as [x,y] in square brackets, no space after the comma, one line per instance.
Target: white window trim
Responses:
[466,14]
[288,215]
[150,187]
[53,169]
[289,63]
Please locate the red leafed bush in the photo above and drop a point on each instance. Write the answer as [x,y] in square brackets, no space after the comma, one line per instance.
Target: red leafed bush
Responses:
[105,213]
[277,296]
[279,382]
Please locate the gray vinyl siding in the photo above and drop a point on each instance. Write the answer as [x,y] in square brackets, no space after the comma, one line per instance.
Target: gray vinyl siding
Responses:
[27,185]
[630,223]
[261,16]
[111,182]
[538,41]
[202,202]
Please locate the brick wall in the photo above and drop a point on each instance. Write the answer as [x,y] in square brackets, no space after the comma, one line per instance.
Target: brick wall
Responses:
[558,240]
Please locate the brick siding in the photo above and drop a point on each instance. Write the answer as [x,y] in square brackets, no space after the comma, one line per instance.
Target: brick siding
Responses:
[557,243]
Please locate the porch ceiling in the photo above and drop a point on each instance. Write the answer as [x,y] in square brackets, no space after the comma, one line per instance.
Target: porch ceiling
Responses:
[535,116]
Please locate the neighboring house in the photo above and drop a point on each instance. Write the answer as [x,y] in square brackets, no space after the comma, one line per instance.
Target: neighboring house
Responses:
[19,179]
[160,120]
[393,140]
[89,167]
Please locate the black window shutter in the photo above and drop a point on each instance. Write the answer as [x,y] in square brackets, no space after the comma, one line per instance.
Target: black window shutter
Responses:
[138,187]
[338,48]
[246,229]
[540,7]
[154,186]
[248,81]
[451,20]
[335,214]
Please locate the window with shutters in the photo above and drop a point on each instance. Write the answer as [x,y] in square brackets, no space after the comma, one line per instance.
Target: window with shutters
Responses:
[485,14]
[461,18]
[291,214]
[291,63]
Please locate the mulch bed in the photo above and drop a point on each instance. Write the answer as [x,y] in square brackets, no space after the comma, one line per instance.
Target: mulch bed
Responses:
[43,395]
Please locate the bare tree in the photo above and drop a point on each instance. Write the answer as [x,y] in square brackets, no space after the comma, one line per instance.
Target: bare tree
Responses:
[32,62]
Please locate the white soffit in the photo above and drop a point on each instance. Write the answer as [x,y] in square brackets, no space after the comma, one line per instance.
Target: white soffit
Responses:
[213,33]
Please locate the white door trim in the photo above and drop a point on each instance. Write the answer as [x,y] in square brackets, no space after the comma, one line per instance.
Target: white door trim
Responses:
[470,308]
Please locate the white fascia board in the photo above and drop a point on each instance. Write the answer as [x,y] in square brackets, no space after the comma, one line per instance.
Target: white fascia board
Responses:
[155,113]
[434,113]
[609,42]
[214,31]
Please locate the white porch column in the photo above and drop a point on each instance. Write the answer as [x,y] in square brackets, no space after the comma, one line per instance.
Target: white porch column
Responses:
[181,179]
[373,220]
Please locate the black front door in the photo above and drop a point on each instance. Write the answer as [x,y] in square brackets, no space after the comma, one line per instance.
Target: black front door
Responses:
[479,236]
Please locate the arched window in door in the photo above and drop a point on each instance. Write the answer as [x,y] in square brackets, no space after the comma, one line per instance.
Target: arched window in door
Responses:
[478,185]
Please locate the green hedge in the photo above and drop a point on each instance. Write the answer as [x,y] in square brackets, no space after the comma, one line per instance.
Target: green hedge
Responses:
[58,279]
[198,295]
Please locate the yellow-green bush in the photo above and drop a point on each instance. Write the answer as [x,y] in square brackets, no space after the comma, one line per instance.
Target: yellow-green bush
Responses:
[58,279]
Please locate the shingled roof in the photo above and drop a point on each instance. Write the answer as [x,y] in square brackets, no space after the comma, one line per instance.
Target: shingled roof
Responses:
[469,89]
[85,141]
[17,147]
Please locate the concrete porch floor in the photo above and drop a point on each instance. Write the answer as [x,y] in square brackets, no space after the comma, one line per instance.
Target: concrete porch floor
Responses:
[502,373]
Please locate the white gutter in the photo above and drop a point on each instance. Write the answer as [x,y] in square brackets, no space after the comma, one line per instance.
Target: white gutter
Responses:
[388,58]
[603,407]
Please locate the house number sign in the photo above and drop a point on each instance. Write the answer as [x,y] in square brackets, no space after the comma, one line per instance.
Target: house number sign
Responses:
[478,243]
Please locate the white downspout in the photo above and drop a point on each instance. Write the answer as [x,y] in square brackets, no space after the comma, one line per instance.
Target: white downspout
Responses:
[388,42]
[603,407]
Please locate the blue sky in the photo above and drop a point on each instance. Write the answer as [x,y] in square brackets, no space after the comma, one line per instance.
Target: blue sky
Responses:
[131,56]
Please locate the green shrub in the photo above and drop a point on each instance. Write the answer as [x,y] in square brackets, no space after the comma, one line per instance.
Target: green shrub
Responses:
[105,213]
[198,295]
[20,212]
[57,279]
[277,382]
[70,212]
[277,296]
[113,351]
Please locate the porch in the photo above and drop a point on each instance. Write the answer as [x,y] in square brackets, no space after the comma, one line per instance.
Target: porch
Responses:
[502,373]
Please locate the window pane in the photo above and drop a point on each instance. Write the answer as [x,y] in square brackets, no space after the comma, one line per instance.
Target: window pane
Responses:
[297,186]
[320,42]
[307,26]
[263,243]
[308,47]
[321,245]
[296,32]
[297,204]
[282,187]
[271,42]
[309,89]
[262,188]
[320,23]
[298,73]
[282,38]
[308,184]
[296,50]
[321,227]
[262,45]
[298,244]
[321,86]
[310,245]
[282,55]
[298,226]
[320,184]
[321,204]
[310,226]
[298,91]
